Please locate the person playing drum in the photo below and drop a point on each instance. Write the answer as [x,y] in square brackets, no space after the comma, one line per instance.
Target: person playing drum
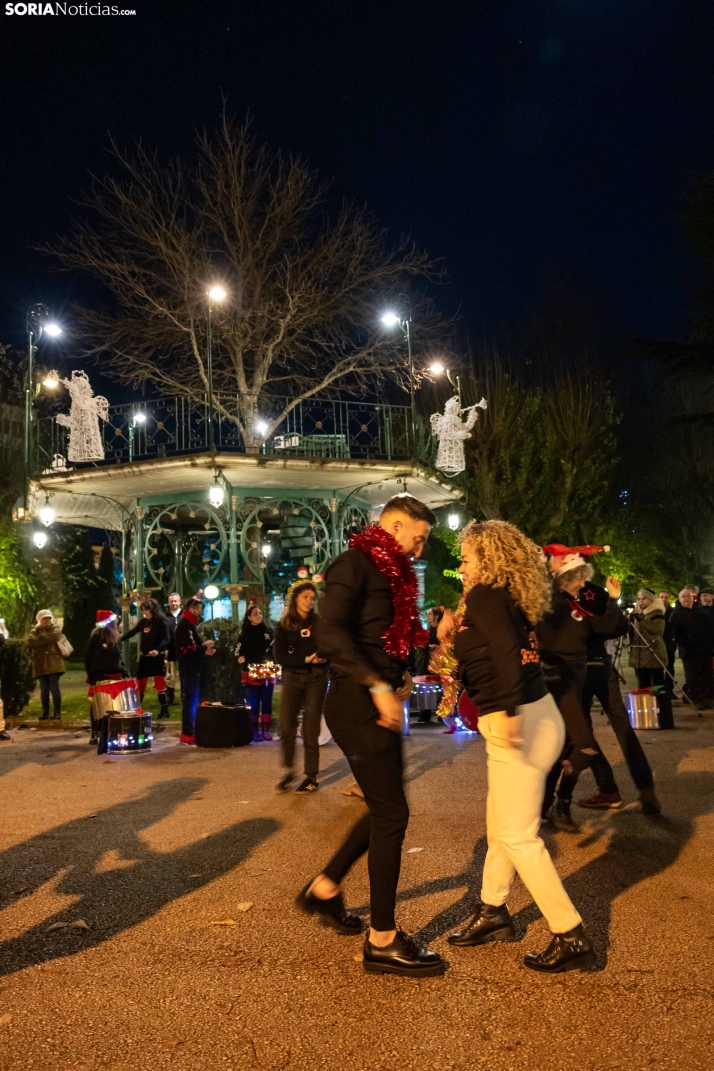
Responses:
[103,662]
[154,642]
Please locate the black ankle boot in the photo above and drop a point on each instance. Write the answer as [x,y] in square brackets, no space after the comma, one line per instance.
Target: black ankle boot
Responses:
[332,912]
[403,956]
[566,952]
[164,704]
[559,815]
[488,924]
[93,739]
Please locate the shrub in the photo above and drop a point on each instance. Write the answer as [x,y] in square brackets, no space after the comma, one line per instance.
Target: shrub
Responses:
[222,683]
[16,680]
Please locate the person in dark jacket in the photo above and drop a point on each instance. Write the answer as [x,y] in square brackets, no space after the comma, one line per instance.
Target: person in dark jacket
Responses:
[47,661]
[173,678]
[191,652]
[103,662]
[154,642]
[693,632]
[563,643]
[304,683]
[255,648]
[495,644]
[369,621]
[602,682]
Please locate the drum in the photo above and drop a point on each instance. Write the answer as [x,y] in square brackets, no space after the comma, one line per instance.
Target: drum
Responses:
[643,710]
[129,731]
[222,726]
[108,696]
[468,712]
[426,693]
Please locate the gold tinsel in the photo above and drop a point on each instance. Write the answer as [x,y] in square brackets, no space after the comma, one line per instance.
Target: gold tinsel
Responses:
[444,664]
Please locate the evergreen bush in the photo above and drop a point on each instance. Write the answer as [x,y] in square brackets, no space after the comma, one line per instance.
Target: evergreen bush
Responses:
[222,684]
[16,680]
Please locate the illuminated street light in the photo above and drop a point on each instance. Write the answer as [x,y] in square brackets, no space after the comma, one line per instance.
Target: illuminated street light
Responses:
[390,319]
[215,294]
[453,521]
[261,427]
[216,494]
[38,323]
[437,368]
[39,539]
[53,330]
[211,592]
[47,515]
[140,418]
[266,549]
[51,380]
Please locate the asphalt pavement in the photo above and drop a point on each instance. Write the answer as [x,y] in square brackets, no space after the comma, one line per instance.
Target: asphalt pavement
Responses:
[183,865]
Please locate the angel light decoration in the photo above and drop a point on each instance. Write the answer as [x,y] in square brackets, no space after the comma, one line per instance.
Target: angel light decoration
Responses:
[451,431]
[85,438]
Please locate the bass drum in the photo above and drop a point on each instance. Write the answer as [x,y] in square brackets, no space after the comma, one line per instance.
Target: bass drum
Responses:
[467,712]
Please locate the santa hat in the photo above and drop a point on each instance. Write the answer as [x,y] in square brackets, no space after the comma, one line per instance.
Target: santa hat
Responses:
[563,559]
[104,618]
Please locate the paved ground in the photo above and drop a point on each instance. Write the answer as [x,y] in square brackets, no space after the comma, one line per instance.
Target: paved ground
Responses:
[152,851]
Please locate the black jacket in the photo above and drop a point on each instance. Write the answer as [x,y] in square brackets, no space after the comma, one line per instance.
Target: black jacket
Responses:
[292,648]
[609,622]
[565,633]
[190,652]
[172,622]
[355,612]
[498,657]
[154,637]
[255,644]
[692,631]
[101,659]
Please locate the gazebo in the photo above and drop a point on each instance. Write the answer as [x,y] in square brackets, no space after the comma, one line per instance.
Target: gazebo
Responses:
[196,508]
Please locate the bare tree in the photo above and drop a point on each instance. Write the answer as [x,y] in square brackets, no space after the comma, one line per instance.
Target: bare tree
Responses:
[305,290]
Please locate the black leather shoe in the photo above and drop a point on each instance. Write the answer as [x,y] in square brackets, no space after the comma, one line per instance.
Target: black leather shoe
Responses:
[284,783]
[332,912]
[566,952]
[559,815]
[488,924]
[402,956]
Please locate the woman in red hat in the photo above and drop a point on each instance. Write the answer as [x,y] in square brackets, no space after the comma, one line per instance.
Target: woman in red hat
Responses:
[103,662]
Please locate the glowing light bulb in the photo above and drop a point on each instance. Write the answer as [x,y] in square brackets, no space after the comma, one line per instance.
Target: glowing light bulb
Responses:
[47,515]
[437,368]
[390,319]
[216,495]
[140,418]
[39,539]
[217,293]
[266,549]
[261,427]
[51,380]
[453,521]
[211,592]
[53,330]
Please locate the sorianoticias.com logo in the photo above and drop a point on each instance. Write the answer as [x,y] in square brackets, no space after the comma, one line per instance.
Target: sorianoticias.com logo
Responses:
[66,9]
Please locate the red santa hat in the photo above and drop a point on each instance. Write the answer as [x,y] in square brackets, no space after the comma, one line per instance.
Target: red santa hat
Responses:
[104,618]
[563,559]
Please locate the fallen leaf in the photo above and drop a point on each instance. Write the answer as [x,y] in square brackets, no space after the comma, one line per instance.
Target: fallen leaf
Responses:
[56,926]
[198,797]
[223,922]
[245,906]
[244,801]
[21,889]
[4,1019]
[410,851]
[358,958]
[79,924]
[108,762]
[204,836]
[194,875]
[92,816]
[175,1044]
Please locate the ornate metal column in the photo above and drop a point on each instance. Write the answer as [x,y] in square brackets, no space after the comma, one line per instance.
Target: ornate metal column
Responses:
[234,587]
[139,546]
[336,534]
[420,570]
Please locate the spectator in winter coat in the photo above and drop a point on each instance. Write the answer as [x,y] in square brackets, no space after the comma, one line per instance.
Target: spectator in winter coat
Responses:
[173,680]
[255,648]
[191,652]
[669,641]
[153,643]
[693,632]
[648,653]
[47,661]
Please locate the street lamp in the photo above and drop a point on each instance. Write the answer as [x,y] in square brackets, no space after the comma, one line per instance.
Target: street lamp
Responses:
[211,592]
[47,514]
[137,421]
[391,319]
[39,539]
[438,369]
[453,521]
[216,494]
[51,380]
[38,323]
[215,296]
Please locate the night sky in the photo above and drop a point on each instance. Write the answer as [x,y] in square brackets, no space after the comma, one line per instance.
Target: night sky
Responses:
[512,138]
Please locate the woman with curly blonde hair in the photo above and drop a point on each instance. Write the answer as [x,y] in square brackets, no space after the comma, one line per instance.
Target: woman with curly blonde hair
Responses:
[507,594]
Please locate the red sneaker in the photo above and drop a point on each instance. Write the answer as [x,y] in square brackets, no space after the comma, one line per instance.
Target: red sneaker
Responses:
[187,739]
[604,801]
[448,732]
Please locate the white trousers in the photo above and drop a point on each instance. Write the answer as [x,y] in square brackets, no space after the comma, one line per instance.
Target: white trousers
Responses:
[516,783]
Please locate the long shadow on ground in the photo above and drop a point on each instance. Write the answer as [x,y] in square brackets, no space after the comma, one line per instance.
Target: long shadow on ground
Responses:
[115,900]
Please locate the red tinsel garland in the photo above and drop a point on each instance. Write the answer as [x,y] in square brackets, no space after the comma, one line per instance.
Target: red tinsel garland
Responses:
[386,555]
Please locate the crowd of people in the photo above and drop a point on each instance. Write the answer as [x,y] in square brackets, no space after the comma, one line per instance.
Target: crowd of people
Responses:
[532,643]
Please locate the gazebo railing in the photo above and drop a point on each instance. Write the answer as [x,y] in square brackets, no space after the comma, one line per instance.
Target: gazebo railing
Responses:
[318,427]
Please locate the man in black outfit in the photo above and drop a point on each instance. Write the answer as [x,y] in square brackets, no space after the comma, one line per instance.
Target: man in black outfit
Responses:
[693,631]
[364,711]
[669,641]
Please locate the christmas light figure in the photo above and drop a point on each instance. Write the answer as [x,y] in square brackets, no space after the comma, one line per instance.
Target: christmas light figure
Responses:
[85,438]
[451,431]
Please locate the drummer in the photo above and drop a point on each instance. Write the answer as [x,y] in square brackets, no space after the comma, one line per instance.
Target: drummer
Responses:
[103,662]
[153,645]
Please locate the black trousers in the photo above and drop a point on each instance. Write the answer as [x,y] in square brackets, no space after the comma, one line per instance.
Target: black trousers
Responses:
[698,673]
[303,689]
[669,676]
[376,761]
[648,677]
[565,684]
[601,682]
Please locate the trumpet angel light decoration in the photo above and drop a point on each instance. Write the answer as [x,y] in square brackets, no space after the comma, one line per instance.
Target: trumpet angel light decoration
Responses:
[85,438]
[451,431]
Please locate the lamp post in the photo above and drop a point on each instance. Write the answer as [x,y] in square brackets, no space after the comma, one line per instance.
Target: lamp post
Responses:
[137,420]
[215,294]
[39,322]
[391,319]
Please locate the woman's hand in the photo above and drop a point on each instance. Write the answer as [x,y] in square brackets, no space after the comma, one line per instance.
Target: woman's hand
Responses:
[407,687]
[446,625]
[153,654]
[614,587]
[391,710]
[241,658]
[315,659]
